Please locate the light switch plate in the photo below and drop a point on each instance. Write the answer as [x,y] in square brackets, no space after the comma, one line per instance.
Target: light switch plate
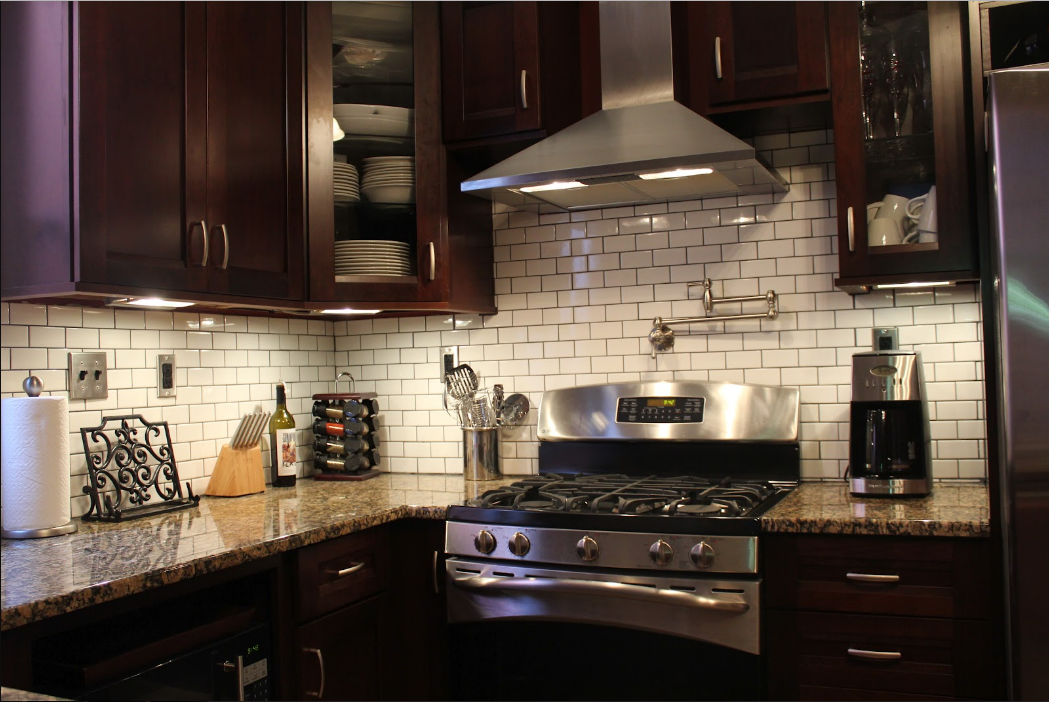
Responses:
[88,379]
[165,375]
[449,360]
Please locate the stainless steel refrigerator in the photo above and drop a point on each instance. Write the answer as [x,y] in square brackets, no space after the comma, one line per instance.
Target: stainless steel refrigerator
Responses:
[1018,156]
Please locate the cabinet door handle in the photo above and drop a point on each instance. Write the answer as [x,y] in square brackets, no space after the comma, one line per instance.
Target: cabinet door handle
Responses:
[870,578]
[436,584]
[524,89]
[204,231]
[875,655]
[225,246]
[717,57]
[320,661]
[852,230]
[346,571]
[433,261]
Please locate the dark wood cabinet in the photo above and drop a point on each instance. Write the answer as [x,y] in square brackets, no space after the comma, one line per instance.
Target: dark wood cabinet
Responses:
[902,126]
[746,54]
[182,124]
[854,617]
[509,68]
[338,656]
[448,234]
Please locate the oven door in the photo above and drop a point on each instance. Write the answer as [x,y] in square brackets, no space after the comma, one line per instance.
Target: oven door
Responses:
[523,632]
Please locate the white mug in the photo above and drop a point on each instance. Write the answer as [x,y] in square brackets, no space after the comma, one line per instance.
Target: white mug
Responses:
[922,210]
[884,232]
[892,207]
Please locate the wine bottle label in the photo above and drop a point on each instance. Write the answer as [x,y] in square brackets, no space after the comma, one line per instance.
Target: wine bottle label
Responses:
[285,449]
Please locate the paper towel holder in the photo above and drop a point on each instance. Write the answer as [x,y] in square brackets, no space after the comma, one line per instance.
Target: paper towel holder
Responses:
[33,386]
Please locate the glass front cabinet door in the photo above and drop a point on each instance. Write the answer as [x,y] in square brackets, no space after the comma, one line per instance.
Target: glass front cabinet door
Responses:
[373,116]
[903,143]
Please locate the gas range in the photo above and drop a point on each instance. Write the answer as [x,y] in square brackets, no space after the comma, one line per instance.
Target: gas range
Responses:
[645,514]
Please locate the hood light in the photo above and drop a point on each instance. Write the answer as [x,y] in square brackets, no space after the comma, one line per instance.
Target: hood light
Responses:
[887,286]
[152,302]
[348,310]
[679,173]
[557,185]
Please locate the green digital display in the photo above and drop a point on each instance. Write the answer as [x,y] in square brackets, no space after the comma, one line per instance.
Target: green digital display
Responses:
[662,402]
[253,649]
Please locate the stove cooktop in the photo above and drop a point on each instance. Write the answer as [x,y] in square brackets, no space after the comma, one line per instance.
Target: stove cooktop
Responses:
[684,504]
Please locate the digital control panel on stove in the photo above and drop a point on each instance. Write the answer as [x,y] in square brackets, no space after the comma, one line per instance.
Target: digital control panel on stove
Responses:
[660,410]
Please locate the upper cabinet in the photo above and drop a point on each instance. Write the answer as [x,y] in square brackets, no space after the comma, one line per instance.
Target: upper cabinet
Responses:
[743,54]
[387,228]
[902,139]
[509,67]
[172,163]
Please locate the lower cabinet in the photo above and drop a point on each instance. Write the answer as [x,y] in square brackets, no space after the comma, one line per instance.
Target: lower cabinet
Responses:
[338,656]
[863,618]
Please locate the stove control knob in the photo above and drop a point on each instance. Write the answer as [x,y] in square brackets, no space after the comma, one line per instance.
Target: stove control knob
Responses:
[587,549]
[702,555]
[661,552]
[519,544]
[484,541]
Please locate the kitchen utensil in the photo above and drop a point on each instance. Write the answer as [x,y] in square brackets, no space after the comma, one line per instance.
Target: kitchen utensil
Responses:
[515,410]
[462,382]
[238,470]
[497,403]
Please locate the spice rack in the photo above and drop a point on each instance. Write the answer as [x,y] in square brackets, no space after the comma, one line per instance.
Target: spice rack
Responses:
[345,435]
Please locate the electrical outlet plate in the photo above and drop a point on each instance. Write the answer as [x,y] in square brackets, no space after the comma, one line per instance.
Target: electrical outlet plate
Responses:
[885,339]
[449,359]
[165,375]
[88,377]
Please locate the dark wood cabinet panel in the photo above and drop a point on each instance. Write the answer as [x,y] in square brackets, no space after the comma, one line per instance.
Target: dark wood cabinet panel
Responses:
[338,656]
[901,655]
[749,52]
[939,153]
[142,168]
[254,147]
[363,561]
[490,68]
[935,577]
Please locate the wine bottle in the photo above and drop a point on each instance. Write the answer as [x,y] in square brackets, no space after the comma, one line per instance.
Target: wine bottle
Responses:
[338,464]
[339,447]
[283,442]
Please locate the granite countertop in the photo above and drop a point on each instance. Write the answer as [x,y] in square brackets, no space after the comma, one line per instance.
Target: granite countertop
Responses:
[10,694]
[41,578]
[955,509]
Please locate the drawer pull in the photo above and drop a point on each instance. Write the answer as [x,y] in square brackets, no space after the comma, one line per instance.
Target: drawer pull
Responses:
[346,571]
[869,578]
[875,655]
[320,662]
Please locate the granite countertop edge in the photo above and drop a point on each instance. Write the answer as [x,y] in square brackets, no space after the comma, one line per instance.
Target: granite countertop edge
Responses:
[45,608]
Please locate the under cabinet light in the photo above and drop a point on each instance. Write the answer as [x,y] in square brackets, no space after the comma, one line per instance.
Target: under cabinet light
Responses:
[348,310]
[557,185]
[887,286]
[679,173]
[155,302]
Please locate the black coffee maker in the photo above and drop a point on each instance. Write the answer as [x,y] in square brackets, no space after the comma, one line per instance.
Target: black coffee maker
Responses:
[889,425]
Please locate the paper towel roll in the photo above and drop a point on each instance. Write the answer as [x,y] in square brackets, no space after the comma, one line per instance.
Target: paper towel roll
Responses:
[34,462]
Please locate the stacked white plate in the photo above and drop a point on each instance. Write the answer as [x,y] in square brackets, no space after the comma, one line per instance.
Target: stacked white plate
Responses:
[347,187]
[389,179]
[381,120]
[372,257]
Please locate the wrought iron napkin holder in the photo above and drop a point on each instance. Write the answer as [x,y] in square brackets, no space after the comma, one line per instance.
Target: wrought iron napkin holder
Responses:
[125,468]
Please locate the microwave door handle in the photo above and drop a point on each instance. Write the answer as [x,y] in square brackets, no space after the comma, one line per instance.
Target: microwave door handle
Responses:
[238,668]
[600,588]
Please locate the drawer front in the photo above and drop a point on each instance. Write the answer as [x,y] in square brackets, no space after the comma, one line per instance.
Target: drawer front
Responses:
[341,571]
[879,575]
[889,655]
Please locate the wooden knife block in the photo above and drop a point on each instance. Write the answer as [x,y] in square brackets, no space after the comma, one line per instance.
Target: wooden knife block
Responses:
[237,472]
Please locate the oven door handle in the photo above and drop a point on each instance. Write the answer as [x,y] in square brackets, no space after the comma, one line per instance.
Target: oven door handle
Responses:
[600,588]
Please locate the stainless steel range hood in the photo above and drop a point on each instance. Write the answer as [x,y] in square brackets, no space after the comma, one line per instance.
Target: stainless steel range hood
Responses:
[642,146]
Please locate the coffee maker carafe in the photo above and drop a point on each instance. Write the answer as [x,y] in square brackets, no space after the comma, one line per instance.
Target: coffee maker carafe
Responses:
[889,425]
